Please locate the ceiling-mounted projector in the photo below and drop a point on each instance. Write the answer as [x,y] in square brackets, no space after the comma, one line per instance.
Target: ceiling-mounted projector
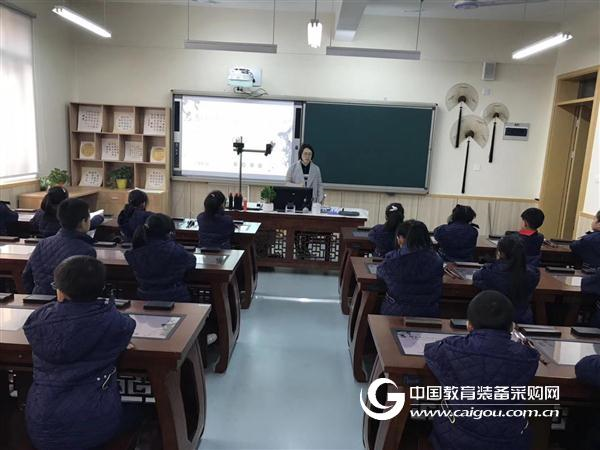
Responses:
[472,4]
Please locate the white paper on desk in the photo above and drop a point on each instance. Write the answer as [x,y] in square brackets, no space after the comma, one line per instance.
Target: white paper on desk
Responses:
[100,212]
[89,118]
[154,327]
[215,260]
[14,249]
[413,342]
[13,319]
[569,280]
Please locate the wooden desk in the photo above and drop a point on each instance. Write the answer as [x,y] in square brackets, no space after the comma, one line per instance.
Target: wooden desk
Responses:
[369,292]
[33,200]
[220,277]
[282,236]
[186,232]
[392,363]
[174,367]
[356,243]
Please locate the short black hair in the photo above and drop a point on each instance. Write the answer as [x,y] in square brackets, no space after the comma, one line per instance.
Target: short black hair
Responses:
[463,213]
[81,278]
[534,217]
[491,310]
[137,197]
[71,212]
[157,226]
[308,146]
[598,216]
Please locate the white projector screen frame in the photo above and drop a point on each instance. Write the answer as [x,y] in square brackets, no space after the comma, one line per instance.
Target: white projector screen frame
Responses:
[208,126]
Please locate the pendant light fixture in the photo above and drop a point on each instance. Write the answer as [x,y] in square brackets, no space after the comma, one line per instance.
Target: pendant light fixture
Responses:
[84,22]
[314,31]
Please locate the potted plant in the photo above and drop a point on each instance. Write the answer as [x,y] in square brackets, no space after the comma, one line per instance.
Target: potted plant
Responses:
[267,195]
[120,177]
[56,177]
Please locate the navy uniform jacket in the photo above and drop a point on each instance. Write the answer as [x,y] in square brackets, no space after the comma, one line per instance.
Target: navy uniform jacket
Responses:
[414,283]
[588,370]
[7,216]
[215,231]
[384,240]
[45,225]
[496,276]
[159,268]
[588,249]
[590,284]
[532,242]
[49,253]
[481,358]
[127,226]
[74,401]
[457,241]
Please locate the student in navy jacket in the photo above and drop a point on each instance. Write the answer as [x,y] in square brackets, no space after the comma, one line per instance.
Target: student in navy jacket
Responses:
[484,357]
[588,247]
[215,228]
[74,401]
[533,218]
[590,284]
[7,216]
[458,239]
[134,214]
[413,274]
[45,222]
[586,432]
[159,263]
[71,240]
[511,275]
[384,235]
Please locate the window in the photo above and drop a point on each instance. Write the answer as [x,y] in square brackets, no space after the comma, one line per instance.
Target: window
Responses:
[18,143]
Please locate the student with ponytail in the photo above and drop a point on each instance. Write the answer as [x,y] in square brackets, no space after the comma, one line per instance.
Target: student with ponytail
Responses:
[45,221]
[413,274]
[215,228]
[384,235]
[134,213]
[158,262]
[511,275]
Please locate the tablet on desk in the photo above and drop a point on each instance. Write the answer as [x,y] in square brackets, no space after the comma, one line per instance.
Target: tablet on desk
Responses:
[566,353]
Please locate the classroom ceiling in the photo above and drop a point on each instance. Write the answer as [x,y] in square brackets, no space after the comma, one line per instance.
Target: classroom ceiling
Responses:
[535,10]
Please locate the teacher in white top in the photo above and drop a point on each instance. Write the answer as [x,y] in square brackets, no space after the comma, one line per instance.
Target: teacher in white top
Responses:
[306,173]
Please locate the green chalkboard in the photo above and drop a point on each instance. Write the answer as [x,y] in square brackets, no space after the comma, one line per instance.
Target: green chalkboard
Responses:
[371,145]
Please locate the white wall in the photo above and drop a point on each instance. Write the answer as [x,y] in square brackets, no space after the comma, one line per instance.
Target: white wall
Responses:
[584,49]
[53,75]
[145,60]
